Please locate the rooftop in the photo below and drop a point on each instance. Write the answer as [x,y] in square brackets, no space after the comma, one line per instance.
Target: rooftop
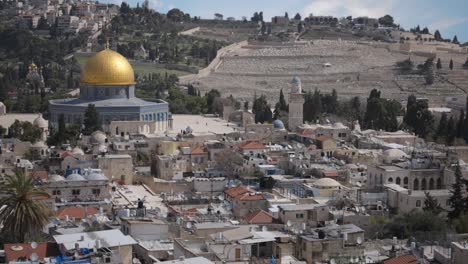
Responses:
[299,207]
[202,124]
[259,217]
[43,250]
[405,259]
[108,238]
[76,212]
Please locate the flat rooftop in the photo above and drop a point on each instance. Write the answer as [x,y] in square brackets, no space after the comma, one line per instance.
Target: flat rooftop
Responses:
[300,207]
[203,125]
[128,195]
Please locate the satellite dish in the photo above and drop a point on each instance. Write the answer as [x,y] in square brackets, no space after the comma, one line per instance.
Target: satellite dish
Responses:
[34,256]
[106,201]
[33,245]
[332,261]
[289,223]
[359,240]
[189,225]
[264,228]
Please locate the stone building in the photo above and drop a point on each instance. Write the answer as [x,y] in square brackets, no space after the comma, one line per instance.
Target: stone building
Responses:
[413,174]
[117,167]
[311,214]
[338,242]
[89,188]
[296,104]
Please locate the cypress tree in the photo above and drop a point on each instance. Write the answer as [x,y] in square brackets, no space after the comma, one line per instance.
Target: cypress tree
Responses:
[92,121]
[460,124]
[451,131]
[439,64]
[456,199]
[442,128]
[437,35]
[283,106]
[451,64]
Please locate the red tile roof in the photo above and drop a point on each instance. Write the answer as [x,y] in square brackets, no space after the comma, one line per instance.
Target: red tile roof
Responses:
[236,191]
[405,259]
[251,145]
[323,138]
[259,217]
[251,197]
[199,150]
[306,132]
[43,250]
[330,173]
[65,154]
[76,212]
[43,175]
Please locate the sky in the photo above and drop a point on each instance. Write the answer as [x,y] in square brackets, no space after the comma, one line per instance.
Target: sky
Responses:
[449,16]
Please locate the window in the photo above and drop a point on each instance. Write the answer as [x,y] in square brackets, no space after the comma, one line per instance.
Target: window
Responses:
[418,203]
[300,216]
[75,192]
[56,192]
[96,191]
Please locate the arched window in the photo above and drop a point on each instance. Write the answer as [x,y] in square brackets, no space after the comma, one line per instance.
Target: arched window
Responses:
[390,180]
[431,184]
[423,185]
[416,185]
[398,181]
[381,179]
[418,203]
[405,181]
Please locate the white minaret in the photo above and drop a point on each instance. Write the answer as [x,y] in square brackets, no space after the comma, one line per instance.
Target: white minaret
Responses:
[296,104]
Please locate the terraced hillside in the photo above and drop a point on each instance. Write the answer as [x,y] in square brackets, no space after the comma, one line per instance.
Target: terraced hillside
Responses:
[352,68]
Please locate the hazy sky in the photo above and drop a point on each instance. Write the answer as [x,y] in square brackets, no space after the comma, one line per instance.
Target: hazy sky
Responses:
[449,16]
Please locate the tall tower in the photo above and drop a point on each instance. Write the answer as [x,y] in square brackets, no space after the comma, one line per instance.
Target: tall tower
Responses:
[296,104]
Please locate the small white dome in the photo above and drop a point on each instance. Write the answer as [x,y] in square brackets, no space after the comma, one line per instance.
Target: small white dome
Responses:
[75,177]
[394,154]
[326,182]
[98,137]
[77,151]
[56,178]
[40,122]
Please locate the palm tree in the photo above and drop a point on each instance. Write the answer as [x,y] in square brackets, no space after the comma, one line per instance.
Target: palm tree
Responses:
[22,213]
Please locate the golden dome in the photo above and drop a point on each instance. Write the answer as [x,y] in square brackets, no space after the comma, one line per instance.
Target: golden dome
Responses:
[108,67]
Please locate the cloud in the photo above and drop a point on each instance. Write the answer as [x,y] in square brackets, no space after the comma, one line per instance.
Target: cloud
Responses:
[447,23]
[369,8]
